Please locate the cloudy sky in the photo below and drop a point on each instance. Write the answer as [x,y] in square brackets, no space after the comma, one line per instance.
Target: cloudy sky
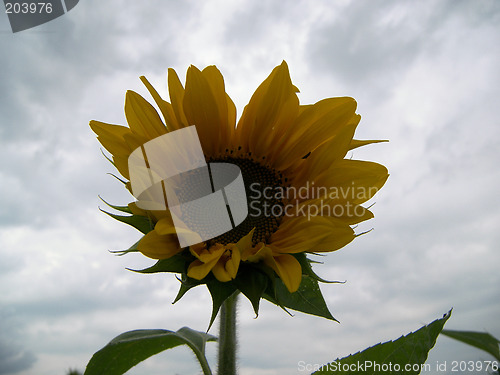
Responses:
[425,76]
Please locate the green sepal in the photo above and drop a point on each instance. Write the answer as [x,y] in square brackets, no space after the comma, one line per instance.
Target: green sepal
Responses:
[305,263]
[141,223]
[114,165]
[130,348]
[219,292]
[174,264]
[270,295]
[108,158]
[307,299]
[131,249]
[252,283]
[187,283]
[411,349]
[125,209]
[118,178]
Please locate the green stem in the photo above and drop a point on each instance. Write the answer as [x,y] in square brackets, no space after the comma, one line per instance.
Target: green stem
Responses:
[227,337]
[204,364]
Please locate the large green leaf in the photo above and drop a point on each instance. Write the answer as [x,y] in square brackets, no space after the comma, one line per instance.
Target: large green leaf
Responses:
[307,298]
[405,355]
[481,340]
[130,348]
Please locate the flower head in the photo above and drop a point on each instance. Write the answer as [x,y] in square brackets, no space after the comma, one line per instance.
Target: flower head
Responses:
[304,196]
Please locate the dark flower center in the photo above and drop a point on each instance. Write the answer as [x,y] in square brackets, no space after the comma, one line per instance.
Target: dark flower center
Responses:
[265,205]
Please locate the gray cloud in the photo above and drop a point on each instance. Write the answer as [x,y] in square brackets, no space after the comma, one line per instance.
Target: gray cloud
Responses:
[372,44]
[14,359]
[50,74]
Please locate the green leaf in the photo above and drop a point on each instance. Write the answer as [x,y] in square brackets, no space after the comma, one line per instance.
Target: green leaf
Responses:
[130,348]
[392,357]
[141,223]
[219,292]
[307,298]
[175,264]
[481,340]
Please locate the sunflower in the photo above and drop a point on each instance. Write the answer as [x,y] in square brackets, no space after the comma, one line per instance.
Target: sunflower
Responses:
[304,196]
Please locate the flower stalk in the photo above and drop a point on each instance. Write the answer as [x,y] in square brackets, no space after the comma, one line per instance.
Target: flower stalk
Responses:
[227,337]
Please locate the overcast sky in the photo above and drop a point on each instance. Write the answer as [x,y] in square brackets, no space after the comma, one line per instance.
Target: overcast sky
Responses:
[425,76]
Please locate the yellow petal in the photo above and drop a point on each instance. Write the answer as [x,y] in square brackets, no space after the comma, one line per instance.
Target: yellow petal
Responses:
[156,246]
[285,265]
[345,211]
[247,120]
[355,143]
[316,125]
[289,271]
[134,140]
[114,146]
[226,108]
[121,163]
[220,273]
[245,244]
[166,226]
[356,180]
[158,215]
[197,249]
[164,106]
[142,117]
[136,210]
[326,154]
[316,233]
[257,253]
[233,263]
[176,92]
[270,111]
[201,109]
[207,255]
[227,266]
[198,269]
[231,115]
[207,259]
[111,137]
